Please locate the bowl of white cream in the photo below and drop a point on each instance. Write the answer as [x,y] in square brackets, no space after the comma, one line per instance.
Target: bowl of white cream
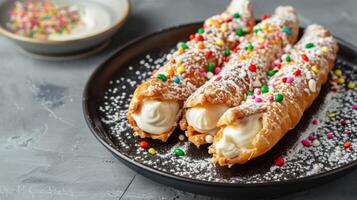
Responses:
[61,27]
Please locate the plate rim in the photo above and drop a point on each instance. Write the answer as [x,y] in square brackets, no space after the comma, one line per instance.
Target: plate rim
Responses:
[92,126]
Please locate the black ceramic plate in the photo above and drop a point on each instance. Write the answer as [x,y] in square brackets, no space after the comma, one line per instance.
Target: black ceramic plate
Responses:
[330,121]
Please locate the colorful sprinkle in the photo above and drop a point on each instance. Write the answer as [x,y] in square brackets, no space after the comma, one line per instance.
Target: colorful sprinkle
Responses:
[227,52]
[179,152]
[297,72]
[264,17]
[325,50]
[338,72]
[199,38]
[272,72]
[252,68]
[279,161]
[211,67]
[343,122]
[264,89]
[200,30]
[176,80]
[287,30]
[354,107]
[240,32]
[312,137]
[329,135]
[278,97]
[315,122]
[306,143]
[341,81]
[152,151]
[249,48]
[351,85]
[315,69]
[287,58]
[209,54]
[217,70]
[236,15]
[347,144]
[181,69]
[309,45]
[161,77]
[220,42]
[144,144]
[184,46]
[304,57]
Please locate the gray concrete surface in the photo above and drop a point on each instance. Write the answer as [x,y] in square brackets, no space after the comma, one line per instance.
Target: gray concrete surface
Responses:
[46,149]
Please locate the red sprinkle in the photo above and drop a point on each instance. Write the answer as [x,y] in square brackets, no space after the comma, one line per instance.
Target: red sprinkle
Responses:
[284,79]
[209,54]
[279,161]
[306,143]
[217,70]
[334,90]
[199,38]
[315,122]
[312,137]
[343,122]
[329,135]
[278,65]
[304,57]
[226,59]
[264,17]
[297,72]
[144,144]
[236,49]
[218,78]
[192,36]
[252,68]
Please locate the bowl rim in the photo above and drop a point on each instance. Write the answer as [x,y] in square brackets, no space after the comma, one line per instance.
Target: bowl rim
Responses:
[112,28]
[99,133]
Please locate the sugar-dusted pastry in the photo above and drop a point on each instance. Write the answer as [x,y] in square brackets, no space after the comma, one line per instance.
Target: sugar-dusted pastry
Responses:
[247,68]
[254,127]
[156,105]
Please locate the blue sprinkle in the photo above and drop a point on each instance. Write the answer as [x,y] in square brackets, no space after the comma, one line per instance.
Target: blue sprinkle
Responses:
[176,80]
[287,30]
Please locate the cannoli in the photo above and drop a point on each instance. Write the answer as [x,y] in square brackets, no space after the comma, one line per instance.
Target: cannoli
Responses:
[247,69]
[156,105]
[254,127]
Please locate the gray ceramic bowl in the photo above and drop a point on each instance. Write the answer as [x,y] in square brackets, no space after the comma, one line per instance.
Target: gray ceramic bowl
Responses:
[118,11]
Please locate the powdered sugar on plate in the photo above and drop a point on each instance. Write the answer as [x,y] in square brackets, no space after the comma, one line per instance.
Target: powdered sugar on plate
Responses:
[324,140]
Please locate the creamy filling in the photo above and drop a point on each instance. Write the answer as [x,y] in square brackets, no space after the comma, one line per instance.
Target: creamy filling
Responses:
[238,137]
[94,19]
[156,117]
[204,118]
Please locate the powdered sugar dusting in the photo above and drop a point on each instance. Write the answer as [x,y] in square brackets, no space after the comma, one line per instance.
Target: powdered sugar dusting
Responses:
[300,161]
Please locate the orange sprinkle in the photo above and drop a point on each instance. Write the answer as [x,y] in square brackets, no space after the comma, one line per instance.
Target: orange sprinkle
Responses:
[347,144]
[201,45]
[181,51]
[170,72]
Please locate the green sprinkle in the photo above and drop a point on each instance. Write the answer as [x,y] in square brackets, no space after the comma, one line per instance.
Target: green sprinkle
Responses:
[176,80]
[250,93]
[227,52]
[240,32]
[179,152]
[288,58]
[236,15]
[309,45]
[249,48]
[264,89]
[161,77]
[278,97]
[200,30]
[256,30]
[184,46]
[271,72]
[211,67]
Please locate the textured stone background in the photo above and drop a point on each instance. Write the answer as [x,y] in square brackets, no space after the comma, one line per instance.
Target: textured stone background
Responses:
[46,149]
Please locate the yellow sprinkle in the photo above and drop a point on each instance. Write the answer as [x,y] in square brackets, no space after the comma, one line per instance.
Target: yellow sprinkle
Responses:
[152,151]
[179,62]
[325,50]
[351,85]
[219,42]
[338,72]
[331,114]
[341,81]
[181,69]
[315,69]
[224,28]
[263,26]
[209,22]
